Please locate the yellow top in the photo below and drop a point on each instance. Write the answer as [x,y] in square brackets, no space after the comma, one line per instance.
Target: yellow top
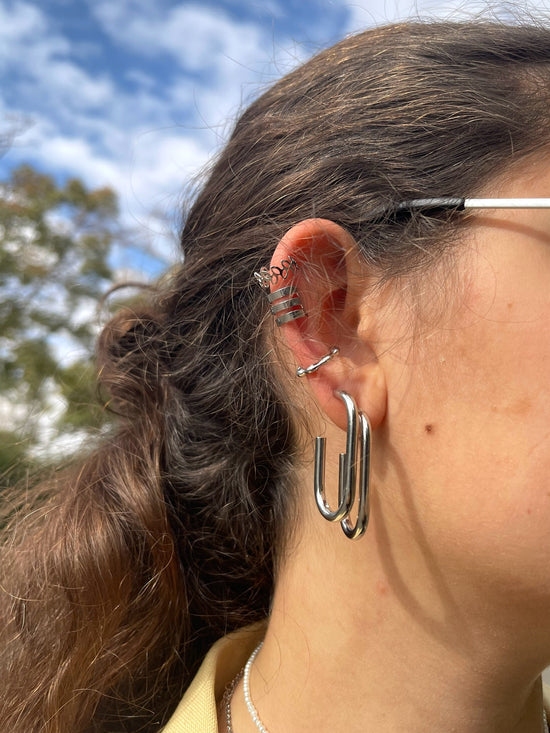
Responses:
[197,711]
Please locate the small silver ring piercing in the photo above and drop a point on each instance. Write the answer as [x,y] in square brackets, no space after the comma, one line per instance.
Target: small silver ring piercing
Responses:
[304,371]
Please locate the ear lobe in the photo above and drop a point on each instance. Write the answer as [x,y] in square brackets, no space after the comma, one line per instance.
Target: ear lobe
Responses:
[330,283]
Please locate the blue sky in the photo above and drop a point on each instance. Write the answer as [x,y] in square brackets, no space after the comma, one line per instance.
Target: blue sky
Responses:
[138,94]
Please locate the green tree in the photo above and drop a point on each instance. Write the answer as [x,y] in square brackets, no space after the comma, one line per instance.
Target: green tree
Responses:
[55,241]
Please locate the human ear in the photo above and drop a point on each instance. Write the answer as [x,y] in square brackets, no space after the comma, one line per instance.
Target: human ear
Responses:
[331,283]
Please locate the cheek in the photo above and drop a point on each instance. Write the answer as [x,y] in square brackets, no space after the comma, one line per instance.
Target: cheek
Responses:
[469,404]
[472,416]
[489,367]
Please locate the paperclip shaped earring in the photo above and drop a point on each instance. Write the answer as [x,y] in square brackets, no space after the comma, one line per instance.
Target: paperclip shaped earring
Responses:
[358,435]
[363,509]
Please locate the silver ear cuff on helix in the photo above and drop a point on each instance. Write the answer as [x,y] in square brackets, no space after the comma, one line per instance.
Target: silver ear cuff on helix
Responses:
[304,371]
[268,276]
[352,470]
[286,299]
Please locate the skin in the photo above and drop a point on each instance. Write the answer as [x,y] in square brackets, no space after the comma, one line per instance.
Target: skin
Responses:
[437,618]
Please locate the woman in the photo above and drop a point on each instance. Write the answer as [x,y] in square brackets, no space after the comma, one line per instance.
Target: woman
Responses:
[421,333]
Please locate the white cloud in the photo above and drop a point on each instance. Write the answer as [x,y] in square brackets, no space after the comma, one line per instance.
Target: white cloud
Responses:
[217,58]
[70,84]
[21,21]
[162,161]
[196,36]
[76,156]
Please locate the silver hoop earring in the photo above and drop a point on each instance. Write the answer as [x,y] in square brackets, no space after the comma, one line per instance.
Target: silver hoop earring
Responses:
[358,435]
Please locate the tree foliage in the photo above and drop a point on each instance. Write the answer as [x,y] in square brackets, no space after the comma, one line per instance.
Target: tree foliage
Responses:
[55,241]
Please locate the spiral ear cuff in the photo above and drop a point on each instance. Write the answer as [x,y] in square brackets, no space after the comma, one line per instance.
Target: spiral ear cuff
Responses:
[286,299]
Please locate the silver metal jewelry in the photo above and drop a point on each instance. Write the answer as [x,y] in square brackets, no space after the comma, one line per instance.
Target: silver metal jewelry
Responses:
[303,371]
[230,690]
[247,698]
[291,316]
[282,293]
[545,721]
[286,299]
[268,276]
[285,305]
[358,435]
[226,700]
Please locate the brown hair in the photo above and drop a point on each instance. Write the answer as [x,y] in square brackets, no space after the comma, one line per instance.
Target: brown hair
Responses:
[123,572]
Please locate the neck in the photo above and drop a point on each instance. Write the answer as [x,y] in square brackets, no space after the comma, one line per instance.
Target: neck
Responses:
[350,648]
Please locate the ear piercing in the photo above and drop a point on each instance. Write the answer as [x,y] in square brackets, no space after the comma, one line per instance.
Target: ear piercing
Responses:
[304,371]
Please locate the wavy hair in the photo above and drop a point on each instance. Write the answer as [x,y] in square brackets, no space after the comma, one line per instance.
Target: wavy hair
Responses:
[121,571]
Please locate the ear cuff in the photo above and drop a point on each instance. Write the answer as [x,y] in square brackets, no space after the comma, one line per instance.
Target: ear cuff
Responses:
[286,301]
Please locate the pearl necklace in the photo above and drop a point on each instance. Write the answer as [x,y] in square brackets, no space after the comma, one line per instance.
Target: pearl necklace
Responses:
[246,684]
[245,675]
[230,689]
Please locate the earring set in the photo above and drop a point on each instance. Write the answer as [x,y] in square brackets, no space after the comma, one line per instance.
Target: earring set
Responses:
[354,464]
[354,468]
